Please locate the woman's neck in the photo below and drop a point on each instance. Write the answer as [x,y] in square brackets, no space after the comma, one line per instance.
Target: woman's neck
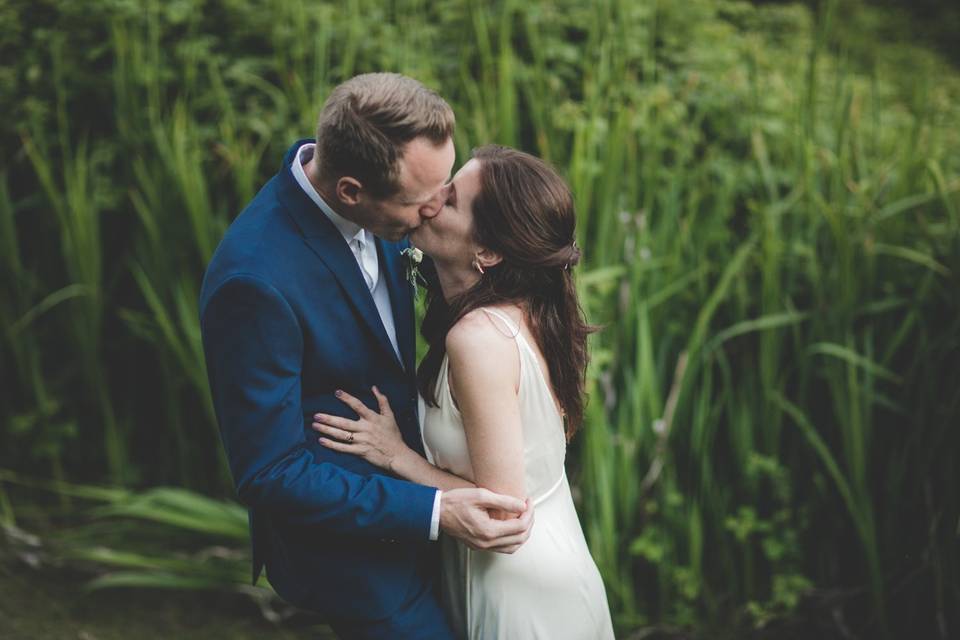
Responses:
[454,280]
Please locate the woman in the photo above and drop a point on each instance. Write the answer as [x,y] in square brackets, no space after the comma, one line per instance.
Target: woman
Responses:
[504,372]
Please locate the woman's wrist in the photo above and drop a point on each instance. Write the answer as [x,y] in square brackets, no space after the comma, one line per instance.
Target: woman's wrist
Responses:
[402,464]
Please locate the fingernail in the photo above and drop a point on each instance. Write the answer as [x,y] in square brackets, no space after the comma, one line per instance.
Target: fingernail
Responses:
[338,393]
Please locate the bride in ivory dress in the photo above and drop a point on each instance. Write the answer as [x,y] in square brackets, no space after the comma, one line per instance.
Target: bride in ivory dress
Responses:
[503,385]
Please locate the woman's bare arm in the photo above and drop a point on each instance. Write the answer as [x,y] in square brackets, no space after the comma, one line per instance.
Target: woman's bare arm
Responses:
[416,469]
[484,378]
[376,438]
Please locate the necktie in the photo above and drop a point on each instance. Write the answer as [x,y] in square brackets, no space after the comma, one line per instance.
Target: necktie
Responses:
[367,261]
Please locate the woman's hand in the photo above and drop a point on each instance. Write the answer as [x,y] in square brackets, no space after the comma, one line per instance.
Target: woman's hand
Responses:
[374,437]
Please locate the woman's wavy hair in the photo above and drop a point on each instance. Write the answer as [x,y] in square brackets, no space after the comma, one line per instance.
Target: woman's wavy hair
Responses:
[524,212]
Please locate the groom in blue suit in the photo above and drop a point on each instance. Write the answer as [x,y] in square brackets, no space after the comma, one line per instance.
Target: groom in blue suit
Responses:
[307,295]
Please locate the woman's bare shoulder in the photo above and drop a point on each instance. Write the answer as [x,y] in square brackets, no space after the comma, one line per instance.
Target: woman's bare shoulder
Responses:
[479,333]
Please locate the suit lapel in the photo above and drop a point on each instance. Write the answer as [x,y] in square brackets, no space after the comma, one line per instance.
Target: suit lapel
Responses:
[320,234]
[333,251]
[401,299]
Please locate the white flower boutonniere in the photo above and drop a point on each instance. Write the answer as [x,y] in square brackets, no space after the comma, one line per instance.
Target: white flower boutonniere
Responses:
[413,258]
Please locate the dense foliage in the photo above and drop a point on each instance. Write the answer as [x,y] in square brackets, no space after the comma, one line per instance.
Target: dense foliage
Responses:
[771,230]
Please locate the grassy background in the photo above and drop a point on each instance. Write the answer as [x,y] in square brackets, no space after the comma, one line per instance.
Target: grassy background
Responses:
[769,211]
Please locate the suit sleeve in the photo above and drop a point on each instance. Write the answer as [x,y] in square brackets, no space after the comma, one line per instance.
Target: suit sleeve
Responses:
[254,349]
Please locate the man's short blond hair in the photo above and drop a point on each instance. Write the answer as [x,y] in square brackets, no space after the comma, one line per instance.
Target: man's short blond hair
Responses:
[366,122]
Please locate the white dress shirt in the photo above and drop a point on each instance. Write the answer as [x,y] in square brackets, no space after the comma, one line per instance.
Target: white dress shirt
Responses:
[363,246]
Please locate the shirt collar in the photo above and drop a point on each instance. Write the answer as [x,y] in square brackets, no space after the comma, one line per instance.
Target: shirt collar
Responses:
[349,230]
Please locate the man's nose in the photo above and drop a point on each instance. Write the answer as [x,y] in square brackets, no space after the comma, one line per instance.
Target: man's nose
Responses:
[431,209]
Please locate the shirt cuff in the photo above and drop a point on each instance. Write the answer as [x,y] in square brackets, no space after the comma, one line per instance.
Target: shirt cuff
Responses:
[435,518]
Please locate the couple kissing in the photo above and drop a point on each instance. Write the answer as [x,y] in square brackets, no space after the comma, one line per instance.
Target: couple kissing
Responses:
[396,499]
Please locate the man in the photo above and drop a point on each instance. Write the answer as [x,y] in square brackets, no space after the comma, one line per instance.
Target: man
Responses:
[305,296]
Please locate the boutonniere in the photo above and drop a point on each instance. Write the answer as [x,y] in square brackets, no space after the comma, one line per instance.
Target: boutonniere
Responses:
[412,259]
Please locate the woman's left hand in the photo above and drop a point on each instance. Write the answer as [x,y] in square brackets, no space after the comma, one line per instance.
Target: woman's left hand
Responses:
[374,437]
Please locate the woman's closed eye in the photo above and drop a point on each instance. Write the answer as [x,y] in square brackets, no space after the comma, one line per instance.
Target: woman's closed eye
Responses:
[451,196]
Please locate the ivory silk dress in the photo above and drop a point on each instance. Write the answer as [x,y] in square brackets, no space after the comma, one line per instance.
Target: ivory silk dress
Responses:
[549,589]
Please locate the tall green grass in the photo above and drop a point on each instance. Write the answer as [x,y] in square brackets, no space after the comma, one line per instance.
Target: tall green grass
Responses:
[72,184]
[769,217]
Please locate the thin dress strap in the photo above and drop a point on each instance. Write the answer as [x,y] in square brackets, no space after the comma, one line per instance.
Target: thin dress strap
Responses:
[507,321]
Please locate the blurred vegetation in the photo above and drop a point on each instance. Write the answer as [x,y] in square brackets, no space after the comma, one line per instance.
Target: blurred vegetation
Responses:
[934,23]
[769,211]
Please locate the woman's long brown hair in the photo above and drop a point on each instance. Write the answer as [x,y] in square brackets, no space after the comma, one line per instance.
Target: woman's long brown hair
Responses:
[524,212]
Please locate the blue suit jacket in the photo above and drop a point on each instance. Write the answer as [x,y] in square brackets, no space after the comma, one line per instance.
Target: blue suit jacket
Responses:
[286,320]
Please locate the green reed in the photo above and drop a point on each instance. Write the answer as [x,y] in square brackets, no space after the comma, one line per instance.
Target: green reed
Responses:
[74,188]
[39,427]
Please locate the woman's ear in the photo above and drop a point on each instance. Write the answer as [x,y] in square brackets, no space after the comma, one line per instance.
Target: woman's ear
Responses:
[487,258]
[348,190]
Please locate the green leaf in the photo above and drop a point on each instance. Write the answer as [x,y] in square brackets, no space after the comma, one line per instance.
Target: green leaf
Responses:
[912,255]
[852,357]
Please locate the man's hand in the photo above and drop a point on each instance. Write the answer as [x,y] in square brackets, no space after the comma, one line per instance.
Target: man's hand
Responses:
[465,514]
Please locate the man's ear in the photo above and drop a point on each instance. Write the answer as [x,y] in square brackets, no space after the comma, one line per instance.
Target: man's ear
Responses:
[348,190]
[487,258]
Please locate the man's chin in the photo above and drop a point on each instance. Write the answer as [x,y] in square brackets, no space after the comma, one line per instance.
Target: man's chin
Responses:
[392,235]
[412,234]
